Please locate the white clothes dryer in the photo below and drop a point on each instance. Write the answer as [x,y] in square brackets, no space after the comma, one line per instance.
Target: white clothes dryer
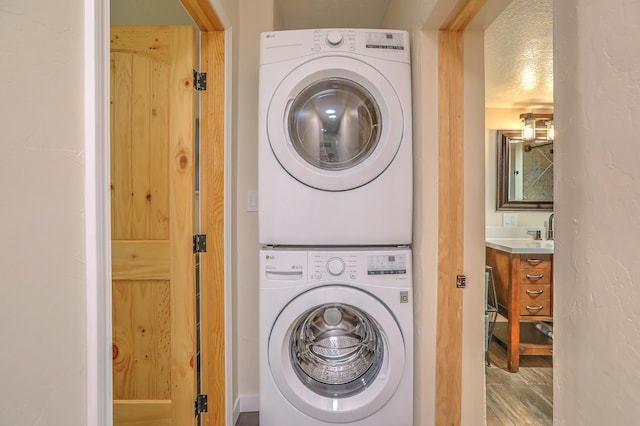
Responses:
[336,337]
[335,145]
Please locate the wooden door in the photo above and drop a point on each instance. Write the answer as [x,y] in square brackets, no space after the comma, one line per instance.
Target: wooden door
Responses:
[152,222]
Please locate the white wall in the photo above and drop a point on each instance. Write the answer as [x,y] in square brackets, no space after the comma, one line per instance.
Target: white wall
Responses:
[473,376]
[256,16]
[42,294]
[597,274]
[149,12]
[425,221]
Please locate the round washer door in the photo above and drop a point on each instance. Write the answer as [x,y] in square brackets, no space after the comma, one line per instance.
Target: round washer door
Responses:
[336,353]
[335,123]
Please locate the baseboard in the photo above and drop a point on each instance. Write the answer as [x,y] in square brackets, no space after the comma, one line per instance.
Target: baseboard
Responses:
[245,404]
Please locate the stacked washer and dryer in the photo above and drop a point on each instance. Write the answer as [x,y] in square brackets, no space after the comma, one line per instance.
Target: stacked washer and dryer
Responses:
[335,224]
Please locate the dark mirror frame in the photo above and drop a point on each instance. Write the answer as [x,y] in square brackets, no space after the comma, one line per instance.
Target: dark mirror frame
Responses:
[502,193]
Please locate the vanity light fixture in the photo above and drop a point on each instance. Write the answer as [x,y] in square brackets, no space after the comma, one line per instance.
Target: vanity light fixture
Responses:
[537,128]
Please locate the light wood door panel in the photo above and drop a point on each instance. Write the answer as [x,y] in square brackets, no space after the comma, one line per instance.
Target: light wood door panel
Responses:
[152,188]
[142,318]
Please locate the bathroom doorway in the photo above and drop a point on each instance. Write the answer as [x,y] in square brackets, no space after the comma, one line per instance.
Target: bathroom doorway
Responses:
[518,80]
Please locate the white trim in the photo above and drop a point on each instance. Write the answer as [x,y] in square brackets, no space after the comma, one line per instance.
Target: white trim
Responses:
[228,237]
[97,222]
[245,404]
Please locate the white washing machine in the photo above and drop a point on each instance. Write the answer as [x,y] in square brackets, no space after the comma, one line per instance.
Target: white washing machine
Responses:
[336,337]
[335,146]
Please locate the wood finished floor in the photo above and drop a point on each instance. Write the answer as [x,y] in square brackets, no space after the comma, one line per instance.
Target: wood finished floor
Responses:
[513,399]
[248,419]
[522,398]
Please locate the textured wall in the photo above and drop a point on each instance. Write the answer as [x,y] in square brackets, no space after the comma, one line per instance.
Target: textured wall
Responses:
[42,288]
[519,56]
[597,314]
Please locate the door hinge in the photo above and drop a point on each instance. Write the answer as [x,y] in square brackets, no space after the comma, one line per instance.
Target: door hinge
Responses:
[461,281]
[202,404]
[199,80]
[200,243]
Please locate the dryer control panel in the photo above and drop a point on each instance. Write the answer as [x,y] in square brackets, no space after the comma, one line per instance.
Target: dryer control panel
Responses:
[278,46]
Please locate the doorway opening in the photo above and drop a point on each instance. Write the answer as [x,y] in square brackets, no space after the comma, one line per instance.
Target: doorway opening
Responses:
[519,79]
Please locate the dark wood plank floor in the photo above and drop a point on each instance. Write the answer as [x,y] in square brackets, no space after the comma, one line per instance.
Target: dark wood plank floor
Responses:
[248,419]
[522,398]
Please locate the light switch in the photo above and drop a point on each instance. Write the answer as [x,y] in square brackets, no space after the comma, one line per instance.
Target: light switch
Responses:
[510,220]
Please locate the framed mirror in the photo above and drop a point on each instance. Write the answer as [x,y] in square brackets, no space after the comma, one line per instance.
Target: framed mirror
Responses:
[525,173]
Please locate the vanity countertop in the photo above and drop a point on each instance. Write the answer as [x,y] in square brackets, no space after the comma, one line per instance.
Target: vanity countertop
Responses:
[520,245]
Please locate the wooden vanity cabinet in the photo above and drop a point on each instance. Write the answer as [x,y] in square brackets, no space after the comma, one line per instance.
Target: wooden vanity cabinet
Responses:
[524,288]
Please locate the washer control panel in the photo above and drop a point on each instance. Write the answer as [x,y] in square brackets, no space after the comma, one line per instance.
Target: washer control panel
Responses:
[390,266]
[363,265]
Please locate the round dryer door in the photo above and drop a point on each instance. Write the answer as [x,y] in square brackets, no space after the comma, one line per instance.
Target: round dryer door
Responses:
[336,353]
[335,123]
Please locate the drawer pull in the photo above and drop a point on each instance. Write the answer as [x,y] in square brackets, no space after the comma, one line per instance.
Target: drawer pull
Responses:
[535,308]
[535,277]
[534,261]
[535,291]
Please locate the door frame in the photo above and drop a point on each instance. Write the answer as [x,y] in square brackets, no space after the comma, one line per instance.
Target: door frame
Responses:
[450,362]
[214,210]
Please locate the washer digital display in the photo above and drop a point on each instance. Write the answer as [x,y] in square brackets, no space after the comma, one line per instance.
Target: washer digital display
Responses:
[386,264]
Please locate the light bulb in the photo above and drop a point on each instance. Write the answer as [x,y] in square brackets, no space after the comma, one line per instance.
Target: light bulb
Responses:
[551,132]
[529,127]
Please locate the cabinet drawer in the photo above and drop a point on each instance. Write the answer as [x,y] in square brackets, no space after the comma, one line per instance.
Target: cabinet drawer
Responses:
[535,276]
[532,293]
[535,307]
[535,261]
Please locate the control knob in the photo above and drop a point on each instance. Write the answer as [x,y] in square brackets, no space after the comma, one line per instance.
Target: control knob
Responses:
[334,38]
[335,266]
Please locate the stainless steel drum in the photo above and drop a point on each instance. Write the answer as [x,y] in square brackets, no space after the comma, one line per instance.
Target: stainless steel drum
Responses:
[336,350]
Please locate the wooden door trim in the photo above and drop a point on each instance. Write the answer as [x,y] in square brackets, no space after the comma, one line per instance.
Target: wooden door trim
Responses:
[212,218]
[448,404]
[203,14]
[212,196]
[450,227]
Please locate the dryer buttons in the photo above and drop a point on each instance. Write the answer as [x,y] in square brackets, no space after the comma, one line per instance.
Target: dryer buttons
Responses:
[335,266]
[334,38]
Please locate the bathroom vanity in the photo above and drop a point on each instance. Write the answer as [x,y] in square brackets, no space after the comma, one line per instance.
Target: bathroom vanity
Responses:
[523,275]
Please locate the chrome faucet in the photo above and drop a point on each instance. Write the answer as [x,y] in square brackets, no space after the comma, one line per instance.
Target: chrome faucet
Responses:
[550,230]
[535,233]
